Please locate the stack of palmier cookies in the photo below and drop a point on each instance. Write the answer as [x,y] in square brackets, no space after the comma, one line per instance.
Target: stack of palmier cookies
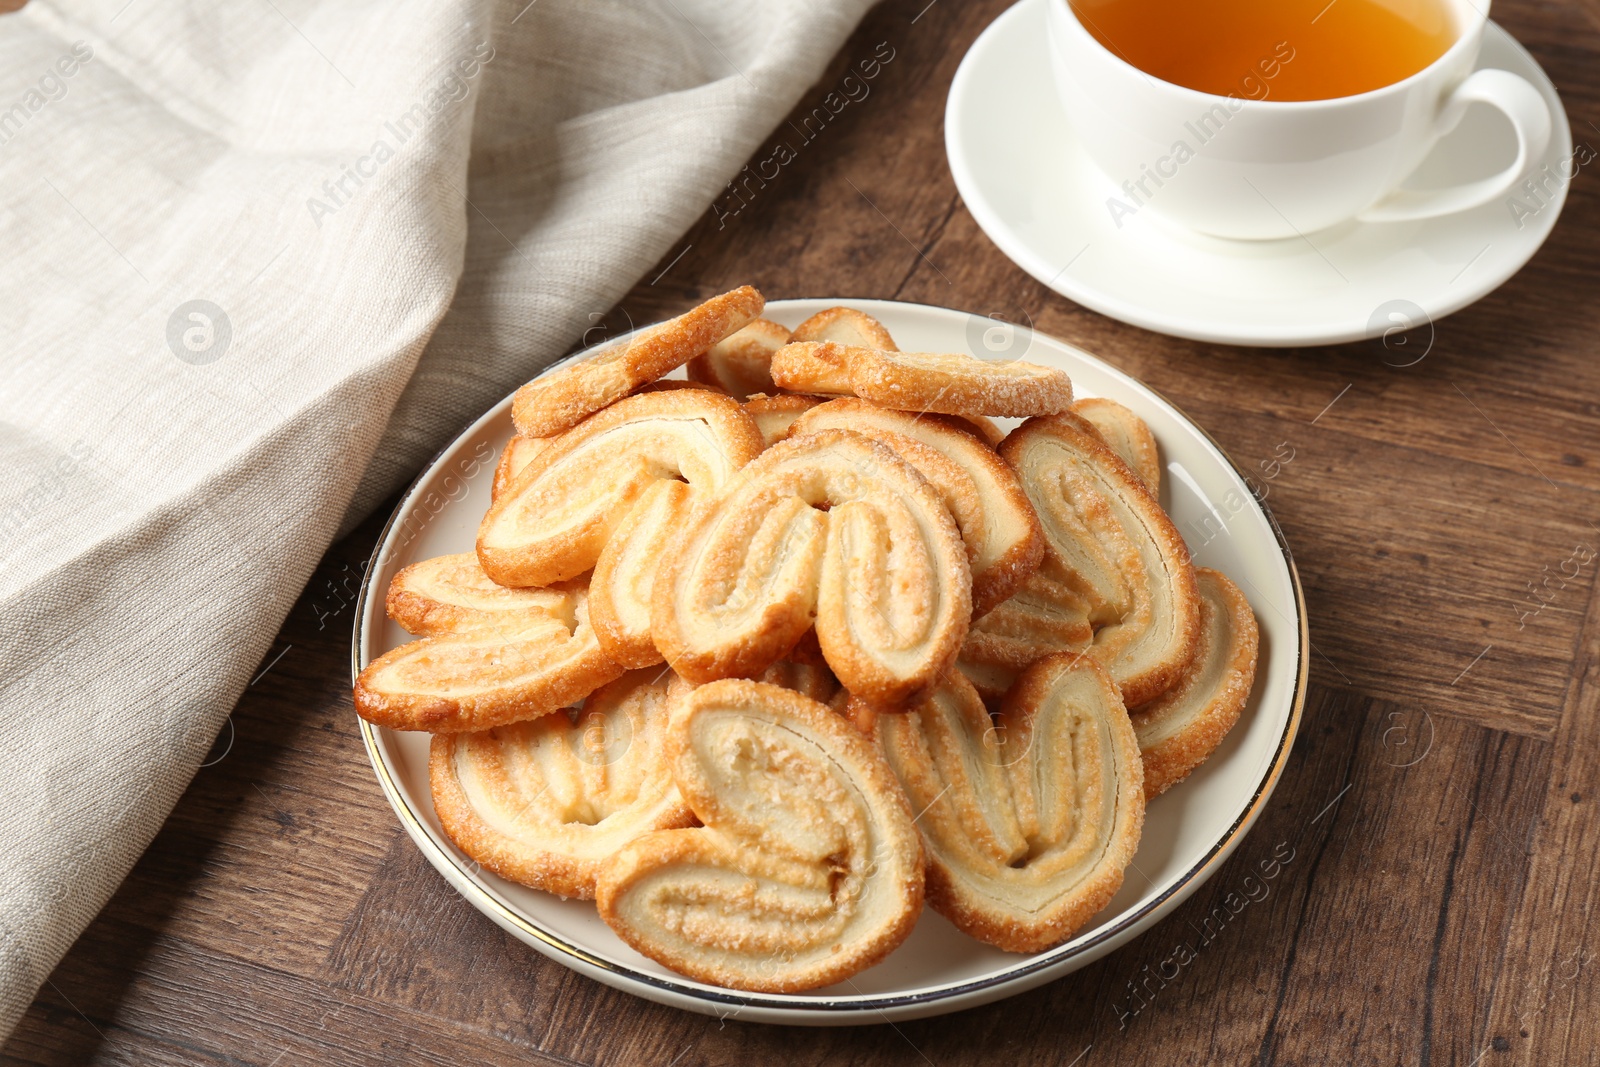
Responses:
[760,659]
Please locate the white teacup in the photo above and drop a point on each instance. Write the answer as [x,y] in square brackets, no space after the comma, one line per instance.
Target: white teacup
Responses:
[1264,168]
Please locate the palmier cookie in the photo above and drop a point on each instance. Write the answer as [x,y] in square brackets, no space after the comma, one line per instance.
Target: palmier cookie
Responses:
[520,450]
[560,512]
[836,328]
[833,530]
[612,495]
[807,869]
[1108,539]
[1179,729]
[545,803]
[487,673]
[1028,820]
[741,363]
[1004,544]
[856,329]
[953,383]
[774,415]
[846,326]
[452,594]
[560,400]
[1127,435]
[1042,618]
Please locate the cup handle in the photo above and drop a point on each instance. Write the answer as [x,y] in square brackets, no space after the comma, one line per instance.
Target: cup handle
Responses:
[1530,117]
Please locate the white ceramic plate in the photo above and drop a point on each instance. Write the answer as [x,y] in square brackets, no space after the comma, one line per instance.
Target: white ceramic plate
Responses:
[1188,831]
[1039,198]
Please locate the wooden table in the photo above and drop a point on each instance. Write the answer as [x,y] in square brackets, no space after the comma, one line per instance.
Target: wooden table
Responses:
[1440,803]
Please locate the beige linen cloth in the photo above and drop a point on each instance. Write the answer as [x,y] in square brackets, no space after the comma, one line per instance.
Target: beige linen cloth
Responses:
[260,259]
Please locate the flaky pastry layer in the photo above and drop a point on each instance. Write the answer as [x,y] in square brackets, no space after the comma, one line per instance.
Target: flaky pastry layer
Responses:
[1044,617]
[450,594]
[774,415]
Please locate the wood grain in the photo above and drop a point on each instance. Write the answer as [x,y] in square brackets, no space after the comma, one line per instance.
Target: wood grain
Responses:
[1439,810]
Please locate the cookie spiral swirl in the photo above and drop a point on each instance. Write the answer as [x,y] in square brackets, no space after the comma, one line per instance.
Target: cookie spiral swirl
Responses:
[610,494]
[521,665]
[1028,819]
[545,803]
[834,530]
[452,594]
[807,868]
[556,518]
[1003,539]
[1107,538]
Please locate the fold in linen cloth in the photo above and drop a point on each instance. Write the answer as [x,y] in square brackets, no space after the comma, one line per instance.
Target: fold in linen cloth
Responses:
[260,261]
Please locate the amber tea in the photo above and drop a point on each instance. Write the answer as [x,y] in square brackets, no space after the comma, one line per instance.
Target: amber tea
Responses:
[1273,49]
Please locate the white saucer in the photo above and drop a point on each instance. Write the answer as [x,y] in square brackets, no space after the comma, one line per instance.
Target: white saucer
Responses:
[1041,200]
